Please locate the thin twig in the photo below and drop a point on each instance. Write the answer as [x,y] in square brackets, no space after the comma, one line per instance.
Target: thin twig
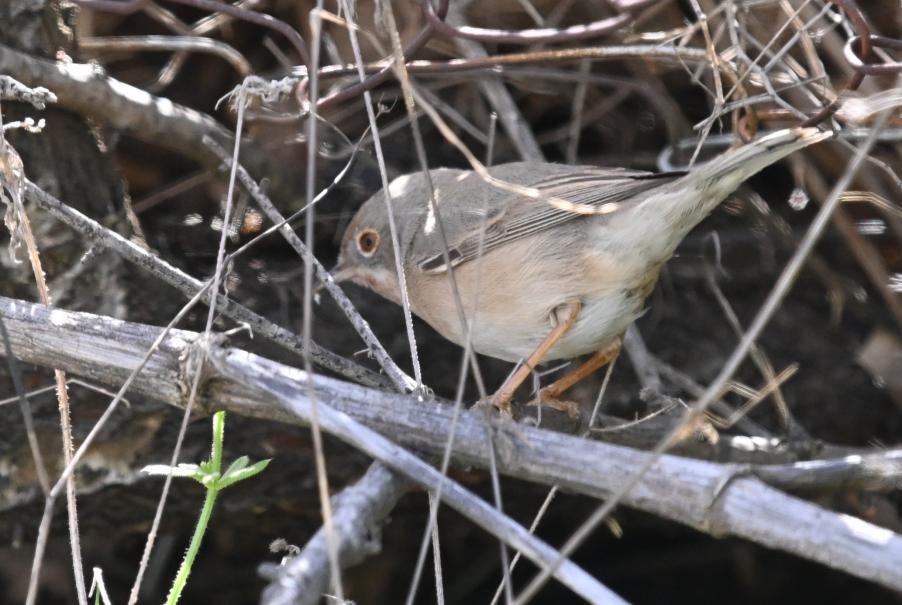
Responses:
[576,113]
[679,55]
[319,456]
[408,89]
[15,374]
[13,90]
[383,174]
[529,36]
[197,370]
[170,43]
[401,380]
[499,97]
[24,231]
[267,21]
[189,286]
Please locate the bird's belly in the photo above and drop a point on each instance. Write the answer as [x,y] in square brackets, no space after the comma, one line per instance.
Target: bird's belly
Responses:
[510,311]
[601,320]
[511,337]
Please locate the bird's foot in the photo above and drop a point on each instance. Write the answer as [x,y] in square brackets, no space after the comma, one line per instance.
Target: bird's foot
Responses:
[550,400]
[496,402]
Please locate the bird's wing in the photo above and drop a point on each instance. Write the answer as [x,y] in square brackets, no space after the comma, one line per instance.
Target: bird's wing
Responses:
[510,216]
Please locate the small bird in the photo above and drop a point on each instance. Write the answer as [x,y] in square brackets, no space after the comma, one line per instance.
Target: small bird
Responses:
[550,261]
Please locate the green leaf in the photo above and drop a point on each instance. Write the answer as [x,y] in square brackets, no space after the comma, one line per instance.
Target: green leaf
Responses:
[236,466]
[245,473]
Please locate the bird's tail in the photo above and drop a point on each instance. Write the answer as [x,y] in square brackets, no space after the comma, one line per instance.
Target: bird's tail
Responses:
[671,211]
[735,166]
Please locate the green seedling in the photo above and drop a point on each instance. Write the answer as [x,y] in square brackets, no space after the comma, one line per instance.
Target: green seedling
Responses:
[207,474]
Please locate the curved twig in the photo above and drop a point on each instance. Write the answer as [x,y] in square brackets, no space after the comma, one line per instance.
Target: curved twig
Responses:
[170,43]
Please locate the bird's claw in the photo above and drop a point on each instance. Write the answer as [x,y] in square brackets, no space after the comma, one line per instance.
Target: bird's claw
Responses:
[571,408]
[493,402]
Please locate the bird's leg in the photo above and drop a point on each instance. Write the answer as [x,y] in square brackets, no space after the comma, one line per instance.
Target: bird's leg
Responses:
[565,316]
[549,396]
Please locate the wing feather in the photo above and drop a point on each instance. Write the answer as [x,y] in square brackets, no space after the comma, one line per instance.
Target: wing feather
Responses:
[521,217]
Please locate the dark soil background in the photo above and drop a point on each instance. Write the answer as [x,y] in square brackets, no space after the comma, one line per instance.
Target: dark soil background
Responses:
[831,313]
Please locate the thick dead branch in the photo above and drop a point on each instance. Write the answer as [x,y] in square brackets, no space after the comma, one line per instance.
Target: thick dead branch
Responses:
[258,385]
[85,89]
[359,512]
[718,499]
[645,433]
[257,372]
[876,472]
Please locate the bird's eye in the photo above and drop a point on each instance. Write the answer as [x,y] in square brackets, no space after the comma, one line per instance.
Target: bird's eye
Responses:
[367,242]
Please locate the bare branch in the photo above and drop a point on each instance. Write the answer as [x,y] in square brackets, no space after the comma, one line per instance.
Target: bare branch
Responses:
[189,286]
[12,90]
[499,97]
[875,472]
[86,90]
[401,380]
[196,44]
[359,512]
[718,499]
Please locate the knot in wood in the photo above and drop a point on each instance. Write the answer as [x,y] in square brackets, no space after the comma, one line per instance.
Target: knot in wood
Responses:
[194,369]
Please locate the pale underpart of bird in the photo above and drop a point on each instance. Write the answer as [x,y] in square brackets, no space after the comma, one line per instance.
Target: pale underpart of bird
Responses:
[538,282]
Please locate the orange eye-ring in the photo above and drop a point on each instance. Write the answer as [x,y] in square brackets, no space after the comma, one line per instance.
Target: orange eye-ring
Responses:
[367,242]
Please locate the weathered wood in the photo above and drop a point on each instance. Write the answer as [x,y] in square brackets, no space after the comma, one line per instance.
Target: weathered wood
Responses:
[174,360]
[719,499]
[85,89]
[359,512]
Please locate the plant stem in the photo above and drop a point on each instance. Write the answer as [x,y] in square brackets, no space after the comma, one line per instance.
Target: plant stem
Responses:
[182,578]
[205,513]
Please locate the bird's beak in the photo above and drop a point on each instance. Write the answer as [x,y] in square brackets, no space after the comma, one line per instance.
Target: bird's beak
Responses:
[340,272]
[378,280]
